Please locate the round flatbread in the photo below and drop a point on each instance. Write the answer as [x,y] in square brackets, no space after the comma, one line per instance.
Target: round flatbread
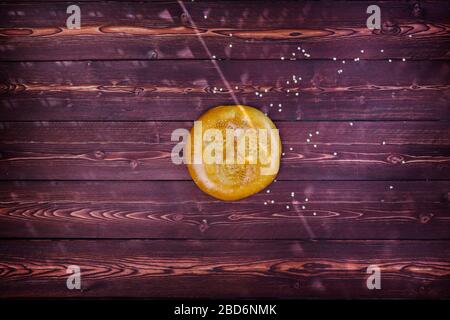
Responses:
[243,133]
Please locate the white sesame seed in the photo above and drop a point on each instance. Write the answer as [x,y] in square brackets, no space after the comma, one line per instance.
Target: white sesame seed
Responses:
[351,123]
[236,87]
[296,93]
[282,58]
[390,60]
[317,132]
[303,207]
[283,154]
[272,201]
[391,187]
[306,199]
[291,149]
[213,57]
[314,213]
[334,59]
[362,51]
[382,50]
[265,203]
[384,142]
[287,207]
[205,16]
[268,191]
[310,134]
[292,194]
[334,153]
[279,110]
[403,59]
[315,146]
[231,46]
[308,140]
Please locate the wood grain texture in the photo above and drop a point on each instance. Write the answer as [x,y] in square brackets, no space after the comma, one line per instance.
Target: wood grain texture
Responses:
[290,269]
[182,90]
[142,150]
[178,209]
[260,30]
[86,176]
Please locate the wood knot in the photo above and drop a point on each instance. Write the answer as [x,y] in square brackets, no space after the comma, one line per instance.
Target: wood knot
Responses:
[425,217]
[395,159]
[390,28]
[16,32]
[4,87]
[316,266]
[12,88]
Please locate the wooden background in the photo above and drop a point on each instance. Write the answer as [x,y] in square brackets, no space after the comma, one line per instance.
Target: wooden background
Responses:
[86,175]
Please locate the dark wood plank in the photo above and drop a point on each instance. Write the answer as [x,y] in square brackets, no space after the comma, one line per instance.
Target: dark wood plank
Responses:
[182,90]
[225,269]
[142,150]
[178,209]
[260,30]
